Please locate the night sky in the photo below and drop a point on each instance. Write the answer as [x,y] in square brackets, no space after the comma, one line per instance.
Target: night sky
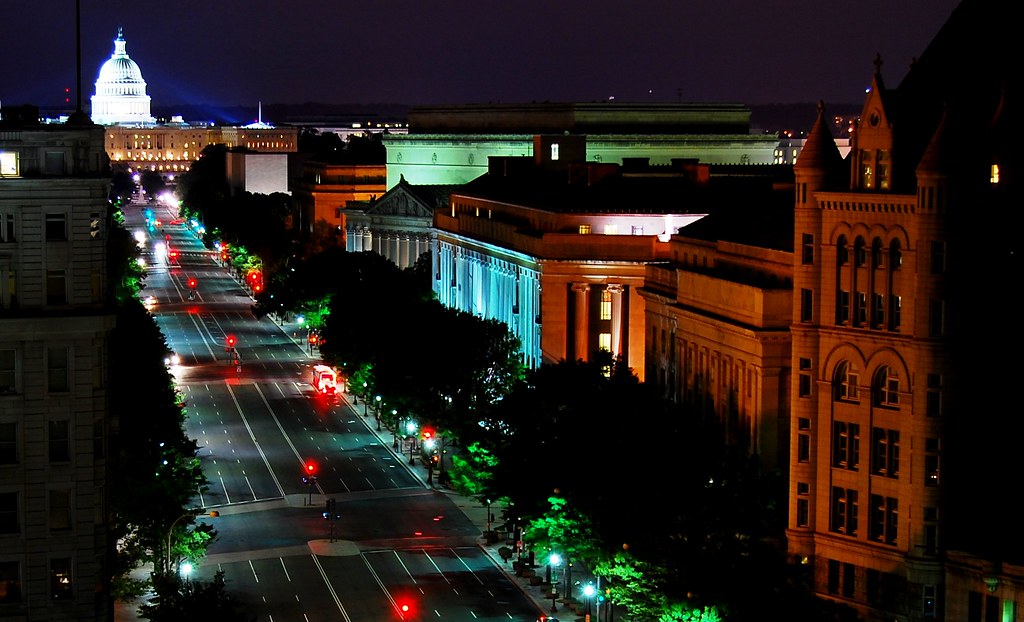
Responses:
[243,52]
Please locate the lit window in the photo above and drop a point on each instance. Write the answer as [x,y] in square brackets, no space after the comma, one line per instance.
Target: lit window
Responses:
[60,578]
[993,173]
[554,151]
[584,229]
[8,164]
[604,341]
[606,304]
[611,229]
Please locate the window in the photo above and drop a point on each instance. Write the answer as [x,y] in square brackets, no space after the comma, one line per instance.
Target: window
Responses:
[886,388]
[883,169]
[867,170]
[862,309]
[845,383]
[10,582]
[806,304]
[57,379]
[9,442]
[53,162]
[933,403]
[938,257]
[8,164]
[803,441]
[844,511]
[611,229]
[895,256]
[60,509]
[7,230]
[56,287]
[877,310]
[638,230]
[60,578]
[895,304]
[606,304]
[876,254]
[584,229]
[604,342]
[94,224]
[833,576]
[845,445]
[928,601]
[805,385]
[849,580]
[931,462]
[9,521]
[842,252]
[554,151]
[807,249]
[885,452]
[8,371]
[883,520]
[59,439]
[56,228]
[993,174]
[936,318]
[843,307]
[860,254]
[803,504]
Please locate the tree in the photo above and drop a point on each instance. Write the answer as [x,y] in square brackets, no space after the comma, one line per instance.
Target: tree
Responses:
[193,600]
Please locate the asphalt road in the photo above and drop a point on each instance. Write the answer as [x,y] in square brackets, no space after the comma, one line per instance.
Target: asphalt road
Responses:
[396,551]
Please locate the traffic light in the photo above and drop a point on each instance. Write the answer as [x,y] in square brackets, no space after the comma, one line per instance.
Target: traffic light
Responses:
[427,434]
[192,283]
[230,342]
[331,513]
[310,473]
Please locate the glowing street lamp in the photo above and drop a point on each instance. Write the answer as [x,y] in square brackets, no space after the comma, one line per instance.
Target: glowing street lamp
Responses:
[589,591]
[410,430]
[553,560]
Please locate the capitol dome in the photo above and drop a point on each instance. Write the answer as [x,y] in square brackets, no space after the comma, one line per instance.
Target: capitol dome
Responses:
[120,90]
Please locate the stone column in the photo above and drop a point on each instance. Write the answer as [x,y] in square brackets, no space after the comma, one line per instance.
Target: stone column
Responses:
[582,319]
[616,290]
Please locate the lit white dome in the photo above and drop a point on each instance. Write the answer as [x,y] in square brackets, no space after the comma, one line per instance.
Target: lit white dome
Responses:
[120,90]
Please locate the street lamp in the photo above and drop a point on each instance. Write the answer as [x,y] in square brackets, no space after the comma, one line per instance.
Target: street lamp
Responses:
[365,408]
[394,416]
[588,591]
[170,531]
[553,560]
[410,430]
[376,411]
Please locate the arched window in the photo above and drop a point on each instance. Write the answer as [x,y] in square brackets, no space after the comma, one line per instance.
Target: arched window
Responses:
[886,388]
[844,383]
[842,253]
[860,254]
[895,255]
[876,253]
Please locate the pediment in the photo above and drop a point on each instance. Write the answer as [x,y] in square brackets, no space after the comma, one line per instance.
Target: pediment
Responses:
[400,202]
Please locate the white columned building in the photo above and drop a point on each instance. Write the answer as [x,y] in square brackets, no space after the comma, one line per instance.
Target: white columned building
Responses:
[120,90]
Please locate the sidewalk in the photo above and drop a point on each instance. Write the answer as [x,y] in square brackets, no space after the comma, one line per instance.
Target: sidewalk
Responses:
[531,580]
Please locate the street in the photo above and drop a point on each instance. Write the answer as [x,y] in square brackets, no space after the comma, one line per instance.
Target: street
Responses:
[393,549]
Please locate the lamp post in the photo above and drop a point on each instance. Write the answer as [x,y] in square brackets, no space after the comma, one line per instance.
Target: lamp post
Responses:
[170,531]
[588,591]
[394,415]
[376,411]
[553,560]
[365,407]
[410,430]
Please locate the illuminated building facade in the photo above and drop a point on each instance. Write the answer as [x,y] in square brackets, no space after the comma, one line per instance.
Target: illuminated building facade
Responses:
[904,429]
[400,224]
[120,90]
[452,144]
[718,313]
[135,141]
[324,193]
[55,319]
[580,232]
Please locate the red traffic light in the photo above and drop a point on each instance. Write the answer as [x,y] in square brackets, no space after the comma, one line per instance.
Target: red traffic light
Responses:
[427,434]
[231,341]
[310,468]
[192,283]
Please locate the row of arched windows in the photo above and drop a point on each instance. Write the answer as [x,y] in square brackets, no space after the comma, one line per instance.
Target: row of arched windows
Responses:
[866,294]
[885,385]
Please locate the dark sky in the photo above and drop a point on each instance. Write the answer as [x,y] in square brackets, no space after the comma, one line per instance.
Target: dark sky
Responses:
[243,52]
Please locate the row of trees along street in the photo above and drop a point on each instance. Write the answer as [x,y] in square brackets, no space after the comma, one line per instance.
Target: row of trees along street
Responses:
[588,462]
